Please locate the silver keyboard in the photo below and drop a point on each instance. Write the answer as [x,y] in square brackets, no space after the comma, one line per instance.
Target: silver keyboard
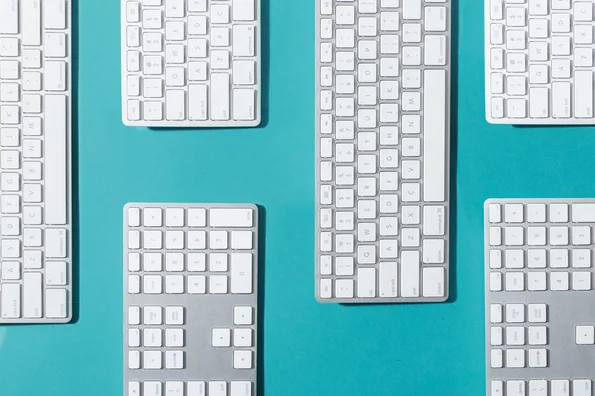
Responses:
[191,63]
[539,316]
[35,158]
[382,142]
[190,299]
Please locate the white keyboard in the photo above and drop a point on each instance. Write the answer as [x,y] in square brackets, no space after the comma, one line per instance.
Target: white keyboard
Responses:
[191,63]
[539,62]
[35,158]
[190,299]
[539,312]
[382,141]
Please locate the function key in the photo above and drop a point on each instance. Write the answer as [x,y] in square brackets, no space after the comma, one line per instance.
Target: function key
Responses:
[152,217]
[197,217]
[513,213]
[174,217]
[559,213]
[536,213]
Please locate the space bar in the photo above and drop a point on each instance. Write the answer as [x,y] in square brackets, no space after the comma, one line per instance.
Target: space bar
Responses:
[55,158]
[434,135]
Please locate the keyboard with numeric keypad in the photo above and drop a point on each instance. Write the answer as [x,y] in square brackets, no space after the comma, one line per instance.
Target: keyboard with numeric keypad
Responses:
[190,299]
[540,319]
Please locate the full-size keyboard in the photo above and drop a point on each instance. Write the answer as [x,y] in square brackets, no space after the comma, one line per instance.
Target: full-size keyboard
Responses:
[539,61]
[540,318]
[190,299]
[382,128]
[35,159]
[191,63]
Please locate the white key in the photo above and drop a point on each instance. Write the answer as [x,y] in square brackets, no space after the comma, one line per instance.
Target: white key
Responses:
[411,9]
[435,50]
[561,100]
[244,107]
[32,289]
[243,10]
[496,360]
[197,102]
[241,273]
[31,31]
[582,387]
[56,273]
[388,279]
[435,135]
[9,16]
[433,282]
[410,268]
[56,242]
[55,76]
[219,217]
[539,102]
[366,282]
[175,104]
[244,40]
[559,387]
[55,159]
[496,10]
[583,213]
[220,86]
[433,220]
[583,93]
[134,360]
[54,14]
[55,303]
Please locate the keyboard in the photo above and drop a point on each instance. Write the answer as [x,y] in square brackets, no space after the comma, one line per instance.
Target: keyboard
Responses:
[190,299]
[191,63]
[539,62]
[35,158]
[540,319]
[382,150]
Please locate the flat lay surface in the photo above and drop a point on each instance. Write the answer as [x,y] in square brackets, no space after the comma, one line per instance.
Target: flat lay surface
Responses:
[308,348]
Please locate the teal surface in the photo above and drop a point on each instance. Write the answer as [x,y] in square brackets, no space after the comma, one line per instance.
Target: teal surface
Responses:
[309,348]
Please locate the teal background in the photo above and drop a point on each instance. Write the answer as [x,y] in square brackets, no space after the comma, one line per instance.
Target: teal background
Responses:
[309,348]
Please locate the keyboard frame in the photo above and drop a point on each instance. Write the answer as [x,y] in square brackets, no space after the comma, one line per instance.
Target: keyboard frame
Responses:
[488,71]
[187,123]
[213,305]
[561,305]
[447,181]
[70,276]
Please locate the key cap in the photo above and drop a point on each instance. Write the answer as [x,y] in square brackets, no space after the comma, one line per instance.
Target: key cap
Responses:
[539,102]
[32,288]
[197,102]
[9,16]
[11,301]
[561,99]
[175,105]
[220,86]
[244,104]
[55,303]
[411,9]
[410,274]
[366,282]
[433,220]
[243,10]
[241,273]
[388,279]
[581,387]
[56,243]
[55,159]
[434,104]
[56,273]
[243,40]
[433,282]
[31,34]
[226,217]
[435,50]
[54,14]
[55,76]
[583,94]
[583,213]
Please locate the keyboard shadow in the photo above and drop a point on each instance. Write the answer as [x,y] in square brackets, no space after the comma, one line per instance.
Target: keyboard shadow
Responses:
[261,300]
[265,64]
[74,165]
